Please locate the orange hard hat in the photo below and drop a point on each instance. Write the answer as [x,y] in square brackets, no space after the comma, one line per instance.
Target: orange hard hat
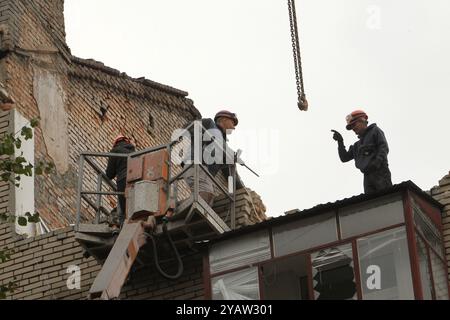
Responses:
[353,117]
[227,114]
[119,138]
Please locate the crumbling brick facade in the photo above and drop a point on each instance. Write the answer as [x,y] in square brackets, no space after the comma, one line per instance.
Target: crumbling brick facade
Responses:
[83,105]
[442,194]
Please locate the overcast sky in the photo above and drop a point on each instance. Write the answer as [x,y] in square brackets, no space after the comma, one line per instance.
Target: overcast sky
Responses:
[388,57]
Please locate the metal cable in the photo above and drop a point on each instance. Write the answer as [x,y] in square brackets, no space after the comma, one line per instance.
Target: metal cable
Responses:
[177,254]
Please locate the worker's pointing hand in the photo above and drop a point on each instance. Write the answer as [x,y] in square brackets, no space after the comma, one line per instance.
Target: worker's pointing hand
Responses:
[337,136]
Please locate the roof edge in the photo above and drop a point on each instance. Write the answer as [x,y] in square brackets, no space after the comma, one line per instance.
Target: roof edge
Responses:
[100,66]
[323,208]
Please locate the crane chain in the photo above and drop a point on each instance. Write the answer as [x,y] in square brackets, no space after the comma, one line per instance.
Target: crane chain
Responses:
[302,102]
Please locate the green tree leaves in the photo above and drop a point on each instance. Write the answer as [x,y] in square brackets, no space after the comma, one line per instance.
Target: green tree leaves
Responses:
[12,168]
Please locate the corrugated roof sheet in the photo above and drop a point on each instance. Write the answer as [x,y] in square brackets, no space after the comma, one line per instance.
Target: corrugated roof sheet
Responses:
[323,208]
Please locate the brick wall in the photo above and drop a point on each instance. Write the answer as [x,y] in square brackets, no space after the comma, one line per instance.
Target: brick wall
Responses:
[39,269]
[35,25]
[442,194]
[39,266]
[83,104]
[4,186]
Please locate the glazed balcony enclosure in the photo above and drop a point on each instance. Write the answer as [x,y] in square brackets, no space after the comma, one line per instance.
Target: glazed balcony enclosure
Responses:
[385,246]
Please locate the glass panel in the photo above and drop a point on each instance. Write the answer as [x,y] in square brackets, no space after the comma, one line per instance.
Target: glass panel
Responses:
[425,274]
[305,234]
[333,274]
[241,285]
[385,266]
[440,277]
[428,230]
[241,251]
[286,279]
[371,216]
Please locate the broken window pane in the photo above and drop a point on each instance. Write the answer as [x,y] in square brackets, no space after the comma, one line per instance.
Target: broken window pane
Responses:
[286,279]
[371,216]
[333,274]
[241,251]
[425,274]
[440,277]
[305,234]
[385,266]
[241,285]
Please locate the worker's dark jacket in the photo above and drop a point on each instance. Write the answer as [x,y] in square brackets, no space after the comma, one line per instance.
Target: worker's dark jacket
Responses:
[370,155]
[209,147]
[117,167]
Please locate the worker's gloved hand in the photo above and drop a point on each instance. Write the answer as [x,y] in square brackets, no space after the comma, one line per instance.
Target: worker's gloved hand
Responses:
[337,136]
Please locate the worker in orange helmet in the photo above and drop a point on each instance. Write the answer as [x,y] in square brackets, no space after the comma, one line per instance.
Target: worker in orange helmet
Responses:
[117,168]
[224,124]
[370,152]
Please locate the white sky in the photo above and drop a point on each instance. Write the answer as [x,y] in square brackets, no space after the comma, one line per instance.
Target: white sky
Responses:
[389,57]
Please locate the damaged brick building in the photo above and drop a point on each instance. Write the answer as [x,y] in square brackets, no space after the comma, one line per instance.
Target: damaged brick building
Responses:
[83,105]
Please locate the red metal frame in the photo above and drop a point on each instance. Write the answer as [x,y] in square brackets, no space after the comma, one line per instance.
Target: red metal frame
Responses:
[436,217]
[441,234]
[356,269]
[308,251]
[412,247]
[427,249]
[431,211]
[430,267]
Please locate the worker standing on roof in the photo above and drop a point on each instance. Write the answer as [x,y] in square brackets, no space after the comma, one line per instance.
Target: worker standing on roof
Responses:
[370,152]
[224,123]
[117,168]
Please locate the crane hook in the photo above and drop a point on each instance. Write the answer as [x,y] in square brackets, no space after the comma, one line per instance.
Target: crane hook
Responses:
[303,103]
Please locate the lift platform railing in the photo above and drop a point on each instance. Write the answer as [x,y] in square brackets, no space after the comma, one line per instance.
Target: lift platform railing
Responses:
[87,160]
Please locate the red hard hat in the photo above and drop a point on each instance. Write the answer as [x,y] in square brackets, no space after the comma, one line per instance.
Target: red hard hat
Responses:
[119,138]
[355,116]
[227,114]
